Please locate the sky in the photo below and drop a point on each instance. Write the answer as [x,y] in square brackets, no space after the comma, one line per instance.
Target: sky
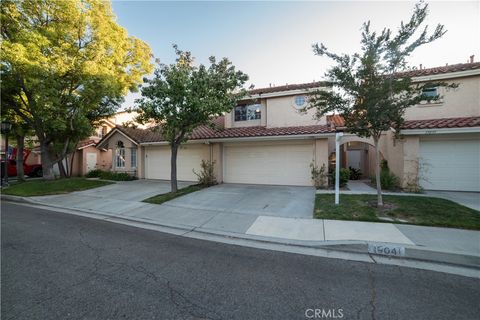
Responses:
[272,41]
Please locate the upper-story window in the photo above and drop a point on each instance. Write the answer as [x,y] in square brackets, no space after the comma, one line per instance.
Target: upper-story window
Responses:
[430,93]
[248,112]
[104,131]
[299,102]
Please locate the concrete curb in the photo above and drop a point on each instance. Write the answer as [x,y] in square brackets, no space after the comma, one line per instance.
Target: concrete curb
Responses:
[414,253]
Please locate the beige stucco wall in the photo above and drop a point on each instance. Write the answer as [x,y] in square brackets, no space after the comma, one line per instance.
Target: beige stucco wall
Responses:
[463,101]
[281,112]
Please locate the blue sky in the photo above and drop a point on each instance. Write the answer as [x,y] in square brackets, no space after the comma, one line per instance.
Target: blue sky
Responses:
[271,41]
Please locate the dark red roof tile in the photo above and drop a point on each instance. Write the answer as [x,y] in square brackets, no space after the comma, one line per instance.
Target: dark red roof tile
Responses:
[288,87]
[463,122]
[440,70]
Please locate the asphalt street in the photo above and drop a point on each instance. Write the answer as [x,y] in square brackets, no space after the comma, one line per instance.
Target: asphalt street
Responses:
[61,266]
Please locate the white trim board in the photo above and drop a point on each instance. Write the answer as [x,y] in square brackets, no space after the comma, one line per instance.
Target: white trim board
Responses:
[409,132]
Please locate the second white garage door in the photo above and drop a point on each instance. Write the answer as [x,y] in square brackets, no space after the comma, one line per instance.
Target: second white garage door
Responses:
[450,165]
[189,157]
[280,164]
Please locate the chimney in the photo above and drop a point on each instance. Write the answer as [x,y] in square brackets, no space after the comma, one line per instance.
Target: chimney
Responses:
[270,85]
[471,58]
[420,66]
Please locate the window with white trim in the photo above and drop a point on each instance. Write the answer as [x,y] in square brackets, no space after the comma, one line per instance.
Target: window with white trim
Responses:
[133,157]
[120,155]
[430,93]
[248,112]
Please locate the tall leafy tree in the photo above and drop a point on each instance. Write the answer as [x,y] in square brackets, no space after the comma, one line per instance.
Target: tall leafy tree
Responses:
[370,89]
[71,63]
[182,96]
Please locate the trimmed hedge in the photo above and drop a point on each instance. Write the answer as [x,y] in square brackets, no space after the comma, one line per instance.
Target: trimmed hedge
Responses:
[108,175]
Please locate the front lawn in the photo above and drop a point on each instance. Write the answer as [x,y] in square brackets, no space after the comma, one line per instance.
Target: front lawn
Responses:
[42,187]
[161,198]
[426,211]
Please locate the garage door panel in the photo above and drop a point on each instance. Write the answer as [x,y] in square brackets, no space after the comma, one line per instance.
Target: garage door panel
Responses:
[450,165]
[269,164]
[188,158]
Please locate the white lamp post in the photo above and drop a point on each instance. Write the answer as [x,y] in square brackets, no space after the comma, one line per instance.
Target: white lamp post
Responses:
[338,137]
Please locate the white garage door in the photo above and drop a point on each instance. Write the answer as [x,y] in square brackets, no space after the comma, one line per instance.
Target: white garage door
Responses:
[189,157]
[281,164]
[450,165]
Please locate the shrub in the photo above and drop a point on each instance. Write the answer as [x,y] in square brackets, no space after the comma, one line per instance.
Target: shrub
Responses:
[388,180]
[94,173]
[206,176]
[344,176]
[109,175]
[355,174]
[319,176]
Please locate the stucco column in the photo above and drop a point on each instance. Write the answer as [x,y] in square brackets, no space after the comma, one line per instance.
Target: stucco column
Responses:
[321,153]
[216,154]
[411,148]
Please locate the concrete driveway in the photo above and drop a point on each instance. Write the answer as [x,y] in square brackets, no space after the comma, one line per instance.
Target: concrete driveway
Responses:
[280,201]
[137,190]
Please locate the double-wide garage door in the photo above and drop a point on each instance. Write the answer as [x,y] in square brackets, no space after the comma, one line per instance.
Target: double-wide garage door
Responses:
[450,165]
[188,158]
[262,163]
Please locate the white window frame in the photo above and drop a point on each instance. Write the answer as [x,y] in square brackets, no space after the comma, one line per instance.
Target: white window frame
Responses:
[120,155]
[250,109]
[133,157]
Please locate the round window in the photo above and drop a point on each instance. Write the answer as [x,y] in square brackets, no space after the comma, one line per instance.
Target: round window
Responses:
[300,101]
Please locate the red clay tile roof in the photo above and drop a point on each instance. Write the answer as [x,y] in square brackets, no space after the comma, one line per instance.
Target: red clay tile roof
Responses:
[335,120]
[219,132]
[463,122]
[85,143]
[440,70]
[288,87]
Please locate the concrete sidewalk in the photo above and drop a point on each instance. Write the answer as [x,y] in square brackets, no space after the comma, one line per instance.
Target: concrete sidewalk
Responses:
[433,244]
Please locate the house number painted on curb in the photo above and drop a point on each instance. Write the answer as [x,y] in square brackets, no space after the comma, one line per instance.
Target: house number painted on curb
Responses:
[386,250]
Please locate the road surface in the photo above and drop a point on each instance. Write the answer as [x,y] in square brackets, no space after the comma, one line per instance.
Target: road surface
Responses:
[61,266]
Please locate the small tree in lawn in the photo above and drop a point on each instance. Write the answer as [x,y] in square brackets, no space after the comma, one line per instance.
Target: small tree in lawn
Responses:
[370,91]
[182,96]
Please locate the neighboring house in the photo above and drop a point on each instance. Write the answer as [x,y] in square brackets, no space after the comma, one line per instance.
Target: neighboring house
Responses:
[87,157]
[267,139]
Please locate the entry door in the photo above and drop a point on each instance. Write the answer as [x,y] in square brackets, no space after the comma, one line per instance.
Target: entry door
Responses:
[354,158]
[91,161]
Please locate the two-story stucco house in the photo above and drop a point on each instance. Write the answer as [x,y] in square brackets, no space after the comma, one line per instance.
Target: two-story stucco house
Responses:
[267,139]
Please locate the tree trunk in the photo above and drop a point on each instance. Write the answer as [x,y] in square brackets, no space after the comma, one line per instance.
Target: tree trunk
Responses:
[47,164]
[61,168]
[70,170]
[173,168]
[20,147]
[377,173]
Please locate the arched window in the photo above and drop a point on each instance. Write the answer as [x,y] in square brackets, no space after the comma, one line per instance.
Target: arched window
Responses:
[120,155]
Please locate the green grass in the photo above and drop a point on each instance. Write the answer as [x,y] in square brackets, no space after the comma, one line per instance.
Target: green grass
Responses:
[161,198]
[425,211]
[42,187]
